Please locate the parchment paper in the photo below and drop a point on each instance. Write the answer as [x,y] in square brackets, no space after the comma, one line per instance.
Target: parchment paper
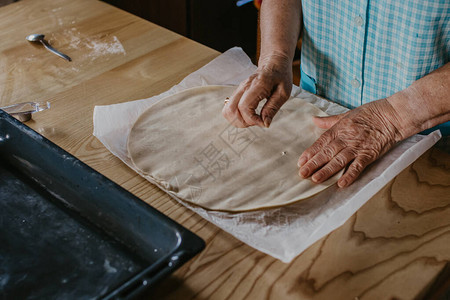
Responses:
[282,232]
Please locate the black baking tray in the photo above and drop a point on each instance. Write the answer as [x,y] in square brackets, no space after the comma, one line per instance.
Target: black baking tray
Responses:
[68,232]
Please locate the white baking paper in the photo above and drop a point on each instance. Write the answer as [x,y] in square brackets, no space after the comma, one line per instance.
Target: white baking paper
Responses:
[282,232]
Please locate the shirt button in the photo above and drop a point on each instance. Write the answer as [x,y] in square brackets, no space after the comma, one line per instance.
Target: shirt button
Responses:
[355,83]
[359,21]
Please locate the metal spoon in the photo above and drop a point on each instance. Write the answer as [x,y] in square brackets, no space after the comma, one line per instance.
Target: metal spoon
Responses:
[40,38]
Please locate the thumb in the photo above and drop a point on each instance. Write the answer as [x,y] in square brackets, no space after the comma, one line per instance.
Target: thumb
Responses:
[327,122]
[273,105]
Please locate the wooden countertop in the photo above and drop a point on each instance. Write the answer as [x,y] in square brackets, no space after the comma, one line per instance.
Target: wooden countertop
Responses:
[393,247]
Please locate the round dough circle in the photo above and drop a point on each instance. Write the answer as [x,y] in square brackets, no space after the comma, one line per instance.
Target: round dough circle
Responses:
[185,146]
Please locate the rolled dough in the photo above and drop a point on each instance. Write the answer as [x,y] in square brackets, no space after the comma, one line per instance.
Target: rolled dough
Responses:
[185,145]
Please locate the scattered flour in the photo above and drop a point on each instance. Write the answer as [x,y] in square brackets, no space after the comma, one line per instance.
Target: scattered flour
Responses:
[70,41]
[30,58]
[108,267]
[97,46]
[102,47]
[4,280]
[73,37]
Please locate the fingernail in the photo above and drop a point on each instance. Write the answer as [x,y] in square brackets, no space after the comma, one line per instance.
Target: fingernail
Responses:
[301,162]
[304,172]
[267,121]
[317,177]
[342,183]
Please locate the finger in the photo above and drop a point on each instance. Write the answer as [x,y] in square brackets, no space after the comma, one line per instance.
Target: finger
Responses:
[322,141]
[247,108]
[327,122]
[355,169]
[339,162]
[273,105]
[322,157]
[260,89]
[238,121]
[230,110]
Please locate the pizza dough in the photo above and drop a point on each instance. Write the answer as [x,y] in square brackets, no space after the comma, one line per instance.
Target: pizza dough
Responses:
[184,145]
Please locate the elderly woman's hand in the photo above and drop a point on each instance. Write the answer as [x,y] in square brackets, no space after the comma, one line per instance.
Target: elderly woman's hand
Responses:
[272,81]
[356,138]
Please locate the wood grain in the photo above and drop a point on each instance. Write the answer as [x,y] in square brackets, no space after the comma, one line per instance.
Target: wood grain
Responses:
[385,251]
[392,248]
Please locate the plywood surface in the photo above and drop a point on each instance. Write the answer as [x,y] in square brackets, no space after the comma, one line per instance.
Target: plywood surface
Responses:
[392,248]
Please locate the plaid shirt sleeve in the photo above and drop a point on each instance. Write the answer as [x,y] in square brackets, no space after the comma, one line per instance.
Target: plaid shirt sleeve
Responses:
[360,51]
[354,52]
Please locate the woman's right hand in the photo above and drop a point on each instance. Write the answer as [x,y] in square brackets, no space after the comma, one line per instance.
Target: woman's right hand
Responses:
[272,81]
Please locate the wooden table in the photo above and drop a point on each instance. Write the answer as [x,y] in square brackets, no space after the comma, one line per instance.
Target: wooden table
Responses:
[393,247]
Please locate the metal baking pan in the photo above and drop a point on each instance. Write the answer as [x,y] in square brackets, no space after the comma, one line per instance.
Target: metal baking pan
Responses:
[68,232]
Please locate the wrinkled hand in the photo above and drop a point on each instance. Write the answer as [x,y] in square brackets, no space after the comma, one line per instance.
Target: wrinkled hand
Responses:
[272,81]
[357,137]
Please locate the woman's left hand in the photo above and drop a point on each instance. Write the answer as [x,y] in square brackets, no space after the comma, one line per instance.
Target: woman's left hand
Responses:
[356,138]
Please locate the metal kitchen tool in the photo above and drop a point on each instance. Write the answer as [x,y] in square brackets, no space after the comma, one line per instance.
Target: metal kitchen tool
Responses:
[40,38]
[22,111]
